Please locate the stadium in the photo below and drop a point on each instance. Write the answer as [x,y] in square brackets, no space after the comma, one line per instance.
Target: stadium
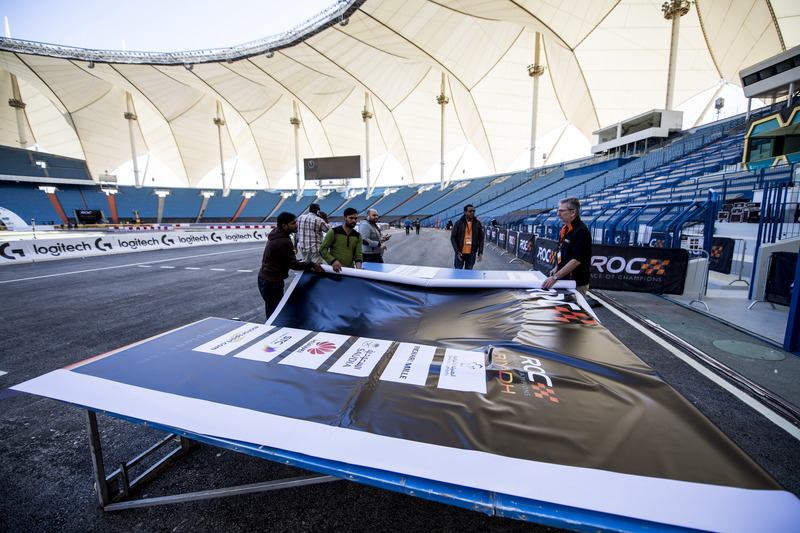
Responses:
[674,123]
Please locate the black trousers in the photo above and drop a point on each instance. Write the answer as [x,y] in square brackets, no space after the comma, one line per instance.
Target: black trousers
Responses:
[373,258]
[272,293]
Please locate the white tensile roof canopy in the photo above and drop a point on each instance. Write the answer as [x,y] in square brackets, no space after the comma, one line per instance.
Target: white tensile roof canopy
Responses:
[604,60]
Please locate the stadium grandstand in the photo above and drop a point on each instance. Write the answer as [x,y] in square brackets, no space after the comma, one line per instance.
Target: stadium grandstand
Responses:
[675,123]
[218,135]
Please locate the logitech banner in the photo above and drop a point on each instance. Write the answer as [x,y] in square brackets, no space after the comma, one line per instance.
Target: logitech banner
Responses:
[34,250]
[638,268]
[721,256]
[545,258]
[525,244]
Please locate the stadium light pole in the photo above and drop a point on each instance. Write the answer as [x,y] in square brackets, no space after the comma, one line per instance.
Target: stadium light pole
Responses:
[535,71]
[673,10]
[220,122]
[442,100]
[295,122]
[131,117]
[365,116]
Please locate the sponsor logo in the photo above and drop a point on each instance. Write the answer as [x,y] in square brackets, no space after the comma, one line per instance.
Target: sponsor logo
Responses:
[655,266]
[192,239]
[570,316]
[658,243]
[15,251]
[236,237]
[55,250]
[102,245]
[167,242]
[275,344]
[546,256]
[716,252]
[215,237]
[616,265]
[135,244]
[235,338]
[532,381]
[321,347]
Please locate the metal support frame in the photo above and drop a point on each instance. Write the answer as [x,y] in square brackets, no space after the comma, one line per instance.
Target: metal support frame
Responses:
[704,283]
[763,296]
[741,263]
[114,490]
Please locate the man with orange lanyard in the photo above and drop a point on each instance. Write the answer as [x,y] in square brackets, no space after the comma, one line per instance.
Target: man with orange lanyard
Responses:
[467,239]
[575,255]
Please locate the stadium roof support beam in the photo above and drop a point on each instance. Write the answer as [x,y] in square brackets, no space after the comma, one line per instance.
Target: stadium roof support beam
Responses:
[294,120]
[19,107]
[219,121]
[673,10]
[442,100]
[535,71]
[365,116]
[130,116]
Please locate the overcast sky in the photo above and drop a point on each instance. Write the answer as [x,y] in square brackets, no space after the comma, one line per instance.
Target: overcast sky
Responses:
[155,26]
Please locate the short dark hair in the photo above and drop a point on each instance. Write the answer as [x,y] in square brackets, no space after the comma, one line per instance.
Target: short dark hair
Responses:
[285,218]
[313,208]
[350,211]
[466,207]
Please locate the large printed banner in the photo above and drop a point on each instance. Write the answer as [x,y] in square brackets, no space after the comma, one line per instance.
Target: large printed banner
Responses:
[546,255]
[34,250]
[638,268]
[502,236]
[721,257]
[515,391]
[780,278]
[525,246]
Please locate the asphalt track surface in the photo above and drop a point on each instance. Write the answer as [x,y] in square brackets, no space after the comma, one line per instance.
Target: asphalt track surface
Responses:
[61,312]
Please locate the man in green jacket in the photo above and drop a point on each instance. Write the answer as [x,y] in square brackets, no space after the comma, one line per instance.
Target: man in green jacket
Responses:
[341,246]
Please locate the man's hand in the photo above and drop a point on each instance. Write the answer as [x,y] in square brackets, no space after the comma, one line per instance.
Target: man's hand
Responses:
[337,266]
[386,237]
[317,267]
[549,282]
[460,257]
[382,246]
[480,258]
[358,264]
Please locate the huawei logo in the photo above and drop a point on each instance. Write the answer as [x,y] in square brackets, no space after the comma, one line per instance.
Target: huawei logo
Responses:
[322,347]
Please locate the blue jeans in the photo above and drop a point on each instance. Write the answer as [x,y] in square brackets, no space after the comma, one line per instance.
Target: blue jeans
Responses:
[467,263]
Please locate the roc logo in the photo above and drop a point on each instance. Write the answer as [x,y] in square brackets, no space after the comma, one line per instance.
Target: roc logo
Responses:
[655,266]
[541,391]
[546,256]
[658,243]
[568,316]
[716,252]
[322,347]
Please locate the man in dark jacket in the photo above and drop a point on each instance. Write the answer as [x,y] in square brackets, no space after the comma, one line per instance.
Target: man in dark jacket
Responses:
[279,257]
[467,239]
[575,247]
